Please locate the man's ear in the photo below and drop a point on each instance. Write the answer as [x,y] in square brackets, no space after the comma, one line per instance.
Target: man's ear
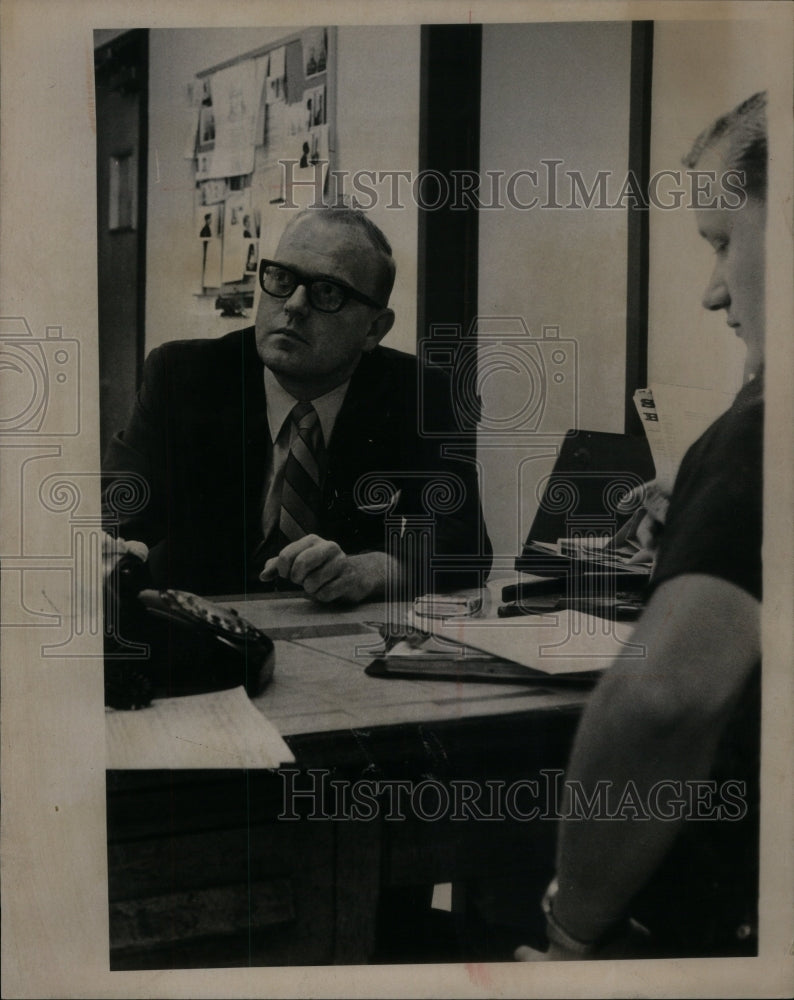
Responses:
[381,325]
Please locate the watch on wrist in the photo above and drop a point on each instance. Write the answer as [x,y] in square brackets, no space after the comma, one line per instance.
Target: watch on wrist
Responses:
[557,934]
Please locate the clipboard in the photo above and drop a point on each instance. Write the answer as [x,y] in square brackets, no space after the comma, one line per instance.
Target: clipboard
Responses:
[485,669]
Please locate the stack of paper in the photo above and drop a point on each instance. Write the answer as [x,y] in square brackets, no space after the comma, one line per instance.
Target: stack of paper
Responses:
[590,554]
[221,729]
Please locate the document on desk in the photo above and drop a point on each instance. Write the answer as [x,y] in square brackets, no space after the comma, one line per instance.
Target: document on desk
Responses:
[222,729]
[566,642]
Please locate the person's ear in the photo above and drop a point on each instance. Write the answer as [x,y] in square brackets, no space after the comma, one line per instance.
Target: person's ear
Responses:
[381,325]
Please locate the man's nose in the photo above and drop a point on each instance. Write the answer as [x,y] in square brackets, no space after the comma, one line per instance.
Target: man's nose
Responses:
[716,294]
[298,302]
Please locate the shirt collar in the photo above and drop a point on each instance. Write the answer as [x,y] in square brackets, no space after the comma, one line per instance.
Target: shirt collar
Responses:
[280,403]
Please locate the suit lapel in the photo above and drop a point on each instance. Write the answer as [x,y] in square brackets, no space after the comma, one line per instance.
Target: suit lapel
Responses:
[359,425]
[254,429]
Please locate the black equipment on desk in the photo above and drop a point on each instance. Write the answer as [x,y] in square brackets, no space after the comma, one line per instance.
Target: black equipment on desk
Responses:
[581,499]
[162,643]
[592,472]
[623,606]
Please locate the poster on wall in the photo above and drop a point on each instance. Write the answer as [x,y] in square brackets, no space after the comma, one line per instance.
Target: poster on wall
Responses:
[230,123]
[404,851]
[273,110]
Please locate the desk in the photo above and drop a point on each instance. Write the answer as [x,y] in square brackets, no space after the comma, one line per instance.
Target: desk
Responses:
[202,872]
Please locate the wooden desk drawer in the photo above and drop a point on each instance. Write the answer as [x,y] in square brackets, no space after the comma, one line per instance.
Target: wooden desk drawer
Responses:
[178,918]
[263,895]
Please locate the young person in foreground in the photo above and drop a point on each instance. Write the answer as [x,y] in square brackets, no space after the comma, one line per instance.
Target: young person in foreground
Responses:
[689,712]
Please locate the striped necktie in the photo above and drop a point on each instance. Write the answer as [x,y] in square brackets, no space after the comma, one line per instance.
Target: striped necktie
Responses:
[301,494]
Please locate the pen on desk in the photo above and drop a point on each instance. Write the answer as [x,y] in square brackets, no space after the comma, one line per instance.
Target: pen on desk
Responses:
[511,610]
[626,609]
[515,609]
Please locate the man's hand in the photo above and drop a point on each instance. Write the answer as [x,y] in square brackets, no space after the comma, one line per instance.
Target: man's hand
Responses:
[113,549]
[326,573]
[633,942]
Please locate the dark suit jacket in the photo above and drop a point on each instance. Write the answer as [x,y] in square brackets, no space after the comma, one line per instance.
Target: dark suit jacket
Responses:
[198,438]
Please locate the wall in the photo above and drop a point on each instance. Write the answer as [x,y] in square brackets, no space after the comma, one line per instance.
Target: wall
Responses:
[551,91]
[378,129]
[700,71]
[377,119]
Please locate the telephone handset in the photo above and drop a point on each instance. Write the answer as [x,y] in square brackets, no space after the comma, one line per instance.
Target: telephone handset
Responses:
[194,646]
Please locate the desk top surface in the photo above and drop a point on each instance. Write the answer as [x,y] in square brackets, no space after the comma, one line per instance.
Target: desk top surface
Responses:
[320,686]
[330,711]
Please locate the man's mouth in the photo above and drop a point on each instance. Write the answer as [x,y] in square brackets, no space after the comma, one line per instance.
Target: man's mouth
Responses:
[288,333]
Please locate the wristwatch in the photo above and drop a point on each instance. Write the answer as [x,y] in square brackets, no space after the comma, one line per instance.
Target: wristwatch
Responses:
[558,935]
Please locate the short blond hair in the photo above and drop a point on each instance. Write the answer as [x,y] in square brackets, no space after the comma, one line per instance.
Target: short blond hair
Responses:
[743,130]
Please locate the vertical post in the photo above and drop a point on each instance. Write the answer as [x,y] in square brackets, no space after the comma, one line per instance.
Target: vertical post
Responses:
[449,140]
[638,219]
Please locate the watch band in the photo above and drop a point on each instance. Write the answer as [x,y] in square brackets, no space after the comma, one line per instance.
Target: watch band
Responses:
[558,935]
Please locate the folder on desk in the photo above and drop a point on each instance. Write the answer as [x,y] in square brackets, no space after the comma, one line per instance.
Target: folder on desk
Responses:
[484,669]
[423,656]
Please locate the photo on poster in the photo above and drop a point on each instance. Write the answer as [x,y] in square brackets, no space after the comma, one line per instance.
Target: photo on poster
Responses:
[315,51]
[209,220]
[239,228]
[427,523]
[206,129]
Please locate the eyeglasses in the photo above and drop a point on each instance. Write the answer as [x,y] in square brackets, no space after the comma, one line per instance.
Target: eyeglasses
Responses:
[325,294]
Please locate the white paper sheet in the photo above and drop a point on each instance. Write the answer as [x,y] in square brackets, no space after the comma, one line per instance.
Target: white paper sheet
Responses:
[565,642]
[674,417]
[221,729]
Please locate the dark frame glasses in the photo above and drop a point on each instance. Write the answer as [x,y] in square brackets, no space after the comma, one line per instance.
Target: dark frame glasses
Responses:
[327,295]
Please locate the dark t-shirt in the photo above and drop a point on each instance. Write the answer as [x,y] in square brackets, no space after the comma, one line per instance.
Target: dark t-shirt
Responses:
[703,901]
[715,517]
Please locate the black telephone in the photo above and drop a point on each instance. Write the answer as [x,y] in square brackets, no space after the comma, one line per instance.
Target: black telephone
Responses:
[171,642]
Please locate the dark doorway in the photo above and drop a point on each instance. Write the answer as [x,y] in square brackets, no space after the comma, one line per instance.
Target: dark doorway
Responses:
[121,70]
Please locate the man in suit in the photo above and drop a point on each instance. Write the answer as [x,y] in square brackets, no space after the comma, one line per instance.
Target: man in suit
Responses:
[215,432]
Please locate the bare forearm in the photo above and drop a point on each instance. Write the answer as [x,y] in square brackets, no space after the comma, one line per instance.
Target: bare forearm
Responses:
[656,721]
[603,862]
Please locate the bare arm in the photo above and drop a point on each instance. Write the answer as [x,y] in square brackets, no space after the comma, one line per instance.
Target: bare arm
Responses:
[655,721]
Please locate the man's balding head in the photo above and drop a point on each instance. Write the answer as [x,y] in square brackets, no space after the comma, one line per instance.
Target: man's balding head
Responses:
[309,348]
[355,219]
